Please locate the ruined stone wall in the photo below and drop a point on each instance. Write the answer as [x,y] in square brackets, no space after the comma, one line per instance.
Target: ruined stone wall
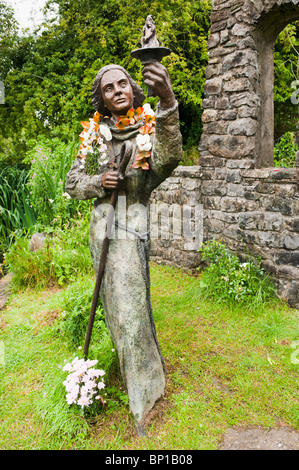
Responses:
[246,202]
[254,211]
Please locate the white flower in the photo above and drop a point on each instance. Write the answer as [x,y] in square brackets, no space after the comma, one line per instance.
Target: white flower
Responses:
[103,148]
[67,195]
[105,132]
[101,385]
[144,142]
[51,200]
[147,110]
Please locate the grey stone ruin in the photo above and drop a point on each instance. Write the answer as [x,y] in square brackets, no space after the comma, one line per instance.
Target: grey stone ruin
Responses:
[246,202]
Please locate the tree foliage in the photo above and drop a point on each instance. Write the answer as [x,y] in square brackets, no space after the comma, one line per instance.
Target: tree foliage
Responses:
[286,67]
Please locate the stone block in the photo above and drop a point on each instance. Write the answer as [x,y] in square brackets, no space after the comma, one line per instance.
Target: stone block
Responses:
[233,176]
[229,146]
[240,29]
[211,202]
[213,40]
[291,242]
[214,188]
[249,220]
[222,102]
[236,190]
[238,84]
[239,58]
[242,164]
[248,111]
[216,127]
[245,99]
[270,221]
[293,224]
[232,204]
[211,161]
[213,86]
[229,114]
[286,257]
[209,115]
[243,126]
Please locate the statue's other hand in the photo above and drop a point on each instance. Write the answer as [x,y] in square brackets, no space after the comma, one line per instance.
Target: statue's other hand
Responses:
[156,76]
[111,180]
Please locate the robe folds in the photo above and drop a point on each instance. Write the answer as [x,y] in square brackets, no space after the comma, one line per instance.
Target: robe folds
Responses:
[125,289]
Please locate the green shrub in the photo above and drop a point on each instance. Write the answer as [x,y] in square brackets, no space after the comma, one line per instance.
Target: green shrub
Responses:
[285,150]
[65,257]
[77,301]
[50,162]
[227,280]
[16,215]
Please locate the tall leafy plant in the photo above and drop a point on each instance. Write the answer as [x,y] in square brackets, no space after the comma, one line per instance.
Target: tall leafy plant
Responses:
[16,213]
[49,166]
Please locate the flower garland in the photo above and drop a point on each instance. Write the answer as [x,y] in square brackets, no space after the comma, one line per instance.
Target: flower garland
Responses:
[93,135]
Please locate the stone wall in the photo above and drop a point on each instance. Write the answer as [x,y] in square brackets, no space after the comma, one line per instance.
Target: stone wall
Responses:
[255,211]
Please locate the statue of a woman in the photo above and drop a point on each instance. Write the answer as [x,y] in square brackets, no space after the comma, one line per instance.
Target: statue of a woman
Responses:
[125,289]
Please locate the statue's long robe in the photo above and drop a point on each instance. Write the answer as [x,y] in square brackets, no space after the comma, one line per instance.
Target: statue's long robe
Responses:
[125,287]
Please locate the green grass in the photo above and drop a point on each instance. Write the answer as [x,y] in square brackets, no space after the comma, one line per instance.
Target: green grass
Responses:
[225,368]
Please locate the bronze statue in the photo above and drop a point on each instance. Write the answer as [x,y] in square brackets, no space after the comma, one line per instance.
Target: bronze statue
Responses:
[155,151]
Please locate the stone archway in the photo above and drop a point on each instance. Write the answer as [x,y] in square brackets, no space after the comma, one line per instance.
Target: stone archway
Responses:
[239,104]
[253,209]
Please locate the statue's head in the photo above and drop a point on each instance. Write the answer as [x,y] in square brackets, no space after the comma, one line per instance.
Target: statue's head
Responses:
[114,91]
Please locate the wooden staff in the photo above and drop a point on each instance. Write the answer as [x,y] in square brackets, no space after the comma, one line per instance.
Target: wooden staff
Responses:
[125,155]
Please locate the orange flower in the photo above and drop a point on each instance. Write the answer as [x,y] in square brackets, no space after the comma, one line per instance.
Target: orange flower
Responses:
[85,124]
[130,113]
[82,135]
[124,121]
[142,155]
[140,160]
[149,119]
[141,164]
[147,129]
[97,116]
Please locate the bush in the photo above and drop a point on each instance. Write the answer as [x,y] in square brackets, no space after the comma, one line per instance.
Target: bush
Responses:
[50,162]
[285,150]
[65,257]
[229,281]
[16,216]
[77,301]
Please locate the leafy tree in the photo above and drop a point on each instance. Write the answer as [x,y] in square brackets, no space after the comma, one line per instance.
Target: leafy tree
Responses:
[8,31]
[286,68]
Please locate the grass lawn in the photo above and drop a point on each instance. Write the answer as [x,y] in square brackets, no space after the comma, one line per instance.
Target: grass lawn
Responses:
[226,367]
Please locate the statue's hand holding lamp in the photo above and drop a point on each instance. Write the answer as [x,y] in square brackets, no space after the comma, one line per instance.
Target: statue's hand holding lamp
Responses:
[150,51]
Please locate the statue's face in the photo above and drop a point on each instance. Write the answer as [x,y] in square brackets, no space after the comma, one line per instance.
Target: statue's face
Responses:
[117,92]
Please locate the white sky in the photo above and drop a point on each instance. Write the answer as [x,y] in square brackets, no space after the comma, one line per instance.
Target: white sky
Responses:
[27,12]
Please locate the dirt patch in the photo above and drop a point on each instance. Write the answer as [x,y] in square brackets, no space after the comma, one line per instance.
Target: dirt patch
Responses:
[283,438]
